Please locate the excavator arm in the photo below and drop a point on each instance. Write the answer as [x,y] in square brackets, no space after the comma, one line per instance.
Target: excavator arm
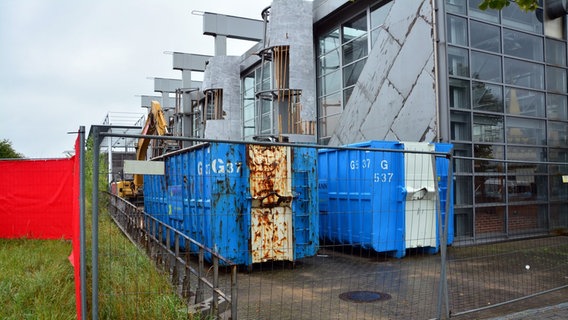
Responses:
[156,124]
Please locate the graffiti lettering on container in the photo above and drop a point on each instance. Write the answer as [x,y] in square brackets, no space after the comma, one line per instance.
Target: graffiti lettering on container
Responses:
[218,166]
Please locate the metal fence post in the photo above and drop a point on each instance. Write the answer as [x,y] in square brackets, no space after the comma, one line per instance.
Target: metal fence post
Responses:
[234,298]
[82,239]
[95,226]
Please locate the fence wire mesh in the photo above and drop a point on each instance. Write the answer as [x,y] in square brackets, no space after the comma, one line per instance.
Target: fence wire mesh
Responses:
[374,251]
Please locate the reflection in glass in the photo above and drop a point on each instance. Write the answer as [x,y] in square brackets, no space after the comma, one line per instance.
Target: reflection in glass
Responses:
[457,30]
[460,124]
[458,64]
[556,79]
[525,74]
[328,62]
[355,50]
[555,52]
[354,28]
[525,131]
[489,189]
[516,18]
[351,72]
[329,41]
[459,94]
[485,36]
[487,15]
[463,190]
[329,83]
[482,151]
[556,107]
[557,134]
[487,128]
[457,6]
[487,97]
[485,66]
[462,150]
[522,45]
[524,102]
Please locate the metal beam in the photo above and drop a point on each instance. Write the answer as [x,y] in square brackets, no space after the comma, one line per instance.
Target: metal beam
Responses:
[189,61]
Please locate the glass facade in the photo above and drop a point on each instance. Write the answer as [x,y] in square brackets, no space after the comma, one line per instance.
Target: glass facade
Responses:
[507,98]
[341,55]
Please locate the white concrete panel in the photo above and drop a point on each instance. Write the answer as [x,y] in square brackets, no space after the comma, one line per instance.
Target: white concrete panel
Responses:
[382,114]
[402,15]
[419,109]
[412,58]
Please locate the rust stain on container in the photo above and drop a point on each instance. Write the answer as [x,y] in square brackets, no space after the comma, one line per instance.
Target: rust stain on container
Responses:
[271,212]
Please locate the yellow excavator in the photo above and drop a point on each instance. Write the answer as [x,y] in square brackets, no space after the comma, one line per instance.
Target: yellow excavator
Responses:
[156,124]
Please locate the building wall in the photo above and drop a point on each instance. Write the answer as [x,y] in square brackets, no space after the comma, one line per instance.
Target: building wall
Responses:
[223,72]
[291,24]
[395,96]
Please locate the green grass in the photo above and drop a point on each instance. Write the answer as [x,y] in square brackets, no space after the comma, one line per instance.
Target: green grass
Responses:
[36,279]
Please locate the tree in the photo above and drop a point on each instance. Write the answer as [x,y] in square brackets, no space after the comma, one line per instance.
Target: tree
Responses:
[6,150]
[527,5]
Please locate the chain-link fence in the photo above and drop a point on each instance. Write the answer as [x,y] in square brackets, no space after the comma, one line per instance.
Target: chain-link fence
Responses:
[359,232]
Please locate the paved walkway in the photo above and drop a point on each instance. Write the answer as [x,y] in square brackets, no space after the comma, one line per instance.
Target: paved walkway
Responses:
[557,312]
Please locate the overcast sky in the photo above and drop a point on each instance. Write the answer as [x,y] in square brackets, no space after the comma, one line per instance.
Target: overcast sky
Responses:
[67,63]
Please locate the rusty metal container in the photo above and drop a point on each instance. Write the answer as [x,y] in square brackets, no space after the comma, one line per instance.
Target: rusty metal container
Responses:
[250,203]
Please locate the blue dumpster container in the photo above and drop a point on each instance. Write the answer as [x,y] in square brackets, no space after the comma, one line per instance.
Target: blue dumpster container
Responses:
[361,196]
[249,203]
[382,200]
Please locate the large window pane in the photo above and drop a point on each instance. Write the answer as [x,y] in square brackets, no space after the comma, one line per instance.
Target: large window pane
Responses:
[516,18]
[354,28]
[329,41]
[457,6]
[489,189]
[460,126]
[459,94]
[355,50]
[487,151]
[555,52]
[330,83]
[556,79]
[487,15]
[351,72]
[525,131]
[557,134]
[328,62]
[485,36]
[485,66]
[522,45]
[462,150]
[487,97]
[556,107]
[463,191]
[558,189]
[487,128]
[526,154]
[458,62]
[524,102]
[330,105]
[525,74]
[457,30]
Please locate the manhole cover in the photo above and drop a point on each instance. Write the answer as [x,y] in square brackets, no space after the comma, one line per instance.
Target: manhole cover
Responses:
[364,296]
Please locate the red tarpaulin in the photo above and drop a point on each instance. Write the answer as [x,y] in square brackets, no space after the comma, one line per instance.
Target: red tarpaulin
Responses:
[36,198]
[39,199]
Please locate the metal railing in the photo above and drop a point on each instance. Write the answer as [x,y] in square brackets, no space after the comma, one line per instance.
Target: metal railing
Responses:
[170,249]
